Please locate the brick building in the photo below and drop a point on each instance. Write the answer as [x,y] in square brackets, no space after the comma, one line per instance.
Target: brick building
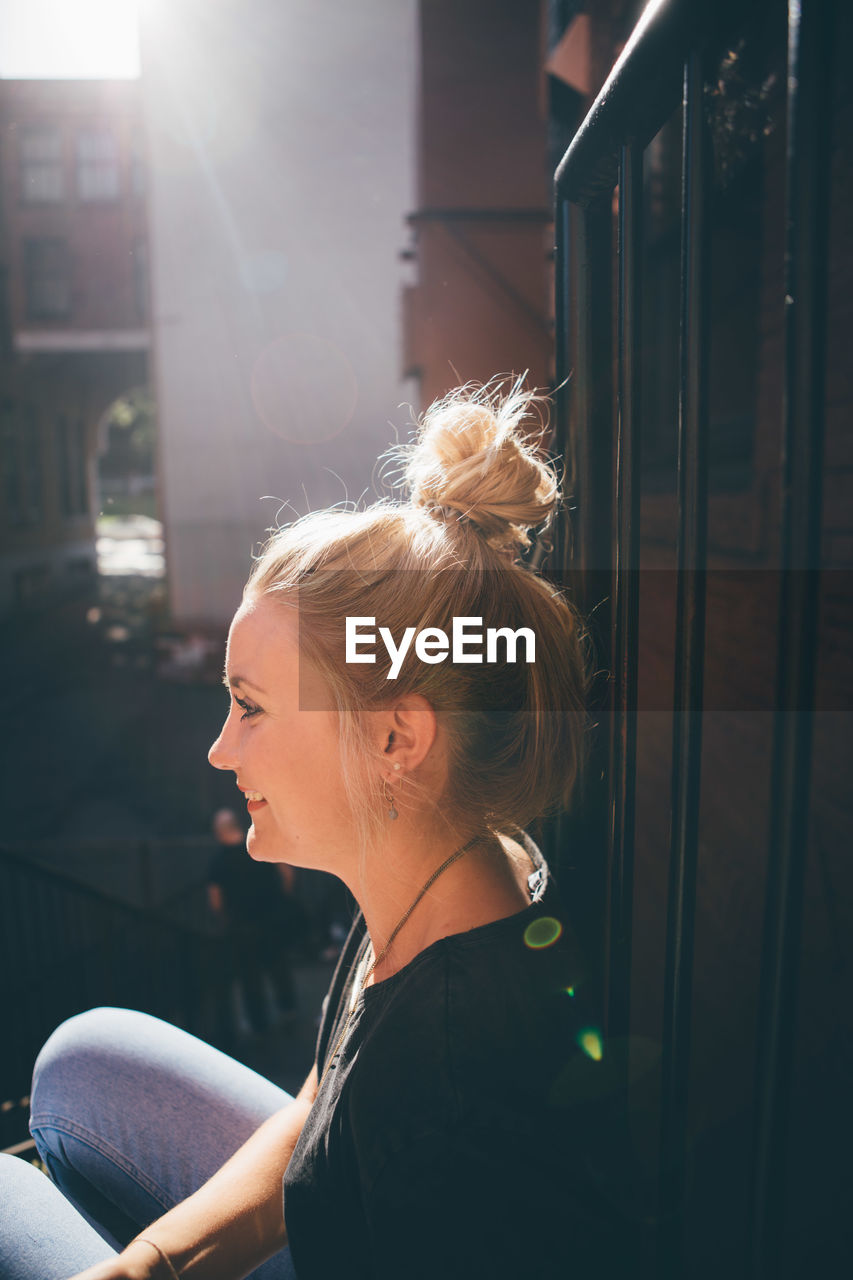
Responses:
[74,317]
[481,233]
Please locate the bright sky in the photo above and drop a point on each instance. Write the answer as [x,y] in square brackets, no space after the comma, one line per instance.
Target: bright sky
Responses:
[68,39]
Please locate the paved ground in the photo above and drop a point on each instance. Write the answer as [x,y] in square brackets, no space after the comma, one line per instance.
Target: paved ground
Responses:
[285,1056]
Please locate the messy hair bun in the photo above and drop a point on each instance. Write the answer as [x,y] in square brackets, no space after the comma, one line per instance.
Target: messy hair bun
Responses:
[473,464]
[515,732]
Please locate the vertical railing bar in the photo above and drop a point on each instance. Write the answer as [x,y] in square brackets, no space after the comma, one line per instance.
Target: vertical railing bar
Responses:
[689,656]
[592,400]
[581,410]
[626,591]
[808,154]
[591,238]
[583,434]
[562,367]
[562,445]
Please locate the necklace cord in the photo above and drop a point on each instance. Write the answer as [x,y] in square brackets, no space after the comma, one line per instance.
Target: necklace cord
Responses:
[448,862]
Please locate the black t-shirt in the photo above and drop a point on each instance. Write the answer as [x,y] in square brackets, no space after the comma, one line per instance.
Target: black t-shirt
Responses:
[464,1128]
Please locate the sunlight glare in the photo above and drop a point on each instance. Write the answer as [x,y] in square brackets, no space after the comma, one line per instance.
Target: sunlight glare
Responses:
[69,39]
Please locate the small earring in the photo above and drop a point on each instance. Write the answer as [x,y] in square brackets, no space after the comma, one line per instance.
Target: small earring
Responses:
[389,799]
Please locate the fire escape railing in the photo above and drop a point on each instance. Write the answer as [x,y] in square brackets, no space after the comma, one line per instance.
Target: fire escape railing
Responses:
[64,948]
[662,65]
[807,160]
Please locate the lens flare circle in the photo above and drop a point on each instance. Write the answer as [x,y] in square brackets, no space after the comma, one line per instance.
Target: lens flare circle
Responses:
[304,388]
[591,1043]
[542,932]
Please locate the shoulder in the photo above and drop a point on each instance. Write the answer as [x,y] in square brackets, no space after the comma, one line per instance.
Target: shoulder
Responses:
[476,1104]
[481,1024]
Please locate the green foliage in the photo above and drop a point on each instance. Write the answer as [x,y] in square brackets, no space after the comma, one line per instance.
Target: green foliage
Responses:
[132,435]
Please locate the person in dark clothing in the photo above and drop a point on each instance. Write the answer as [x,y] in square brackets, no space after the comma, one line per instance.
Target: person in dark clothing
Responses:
[462,1118]
[263,923]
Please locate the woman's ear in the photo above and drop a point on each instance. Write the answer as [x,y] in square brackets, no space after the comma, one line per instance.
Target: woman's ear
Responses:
[407,731]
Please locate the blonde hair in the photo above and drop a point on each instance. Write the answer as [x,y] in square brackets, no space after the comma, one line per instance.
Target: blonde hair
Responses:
[514,731]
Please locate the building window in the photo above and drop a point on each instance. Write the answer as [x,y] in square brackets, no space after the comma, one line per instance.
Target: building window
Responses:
[41,164]
[23,487]
[97,165]
[47,279]
[71,465]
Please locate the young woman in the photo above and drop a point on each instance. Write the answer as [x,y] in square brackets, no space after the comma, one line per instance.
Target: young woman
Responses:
[454,1123]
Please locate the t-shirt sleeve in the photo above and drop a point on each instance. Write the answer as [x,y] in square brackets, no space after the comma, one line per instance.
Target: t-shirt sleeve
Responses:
[481,1202]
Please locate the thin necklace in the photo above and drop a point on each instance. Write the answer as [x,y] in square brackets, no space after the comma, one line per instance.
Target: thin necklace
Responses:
[448,862]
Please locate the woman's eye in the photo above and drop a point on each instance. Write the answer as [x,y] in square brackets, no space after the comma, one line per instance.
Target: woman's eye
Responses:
[246,707]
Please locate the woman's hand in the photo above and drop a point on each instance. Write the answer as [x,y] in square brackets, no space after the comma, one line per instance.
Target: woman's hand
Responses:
[139,1261]
[230,1225]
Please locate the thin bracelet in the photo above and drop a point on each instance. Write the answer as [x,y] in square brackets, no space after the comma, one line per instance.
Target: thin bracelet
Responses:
[168,1261]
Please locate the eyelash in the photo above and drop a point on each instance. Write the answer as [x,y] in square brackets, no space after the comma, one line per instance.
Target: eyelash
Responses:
[247,708]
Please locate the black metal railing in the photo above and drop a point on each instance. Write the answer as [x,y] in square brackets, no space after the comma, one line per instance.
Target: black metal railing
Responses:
[65,948]
[808,151]
[598,430]
[166,874]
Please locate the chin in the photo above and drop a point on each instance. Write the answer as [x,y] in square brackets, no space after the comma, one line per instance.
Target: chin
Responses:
[264,849]
[257,848]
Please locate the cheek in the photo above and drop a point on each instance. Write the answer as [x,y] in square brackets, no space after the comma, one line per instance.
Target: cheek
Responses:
[297,765]
[317,735]
[317,765]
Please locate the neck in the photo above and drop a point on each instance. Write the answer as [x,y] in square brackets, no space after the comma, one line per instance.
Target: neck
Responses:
[480,885]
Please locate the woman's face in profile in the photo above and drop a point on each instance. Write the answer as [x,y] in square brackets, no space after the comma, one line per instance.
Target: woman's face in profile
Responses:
[285,758]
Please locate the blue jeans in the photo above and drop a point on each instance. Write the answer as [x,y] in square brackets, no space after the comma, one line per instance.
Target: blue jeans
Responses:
[130,1116]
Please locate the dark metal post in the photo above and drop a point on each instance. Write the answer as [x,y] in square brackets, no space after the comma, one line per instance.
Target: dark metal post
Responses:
[689,662]
[810,28]
[592,428]
[592,398]
[556,833]
[623,738]
[563,367]
[584,437]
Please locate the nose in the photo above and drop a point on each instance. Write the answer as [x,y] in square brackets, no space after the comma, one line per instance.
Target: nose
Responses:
[221,754]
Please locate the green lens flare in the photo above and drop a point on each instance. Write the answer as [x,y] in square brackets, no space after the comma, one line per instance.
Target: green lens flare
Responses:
[543,932]
[591,1043]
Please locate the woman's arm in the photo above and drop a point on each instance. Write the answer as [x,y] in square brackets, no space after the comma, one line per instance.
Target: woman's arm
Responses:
[231,1224]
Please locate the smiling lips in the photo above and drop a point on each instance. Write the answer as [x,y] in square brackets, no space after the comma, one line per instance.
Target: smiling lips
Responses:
[254,799]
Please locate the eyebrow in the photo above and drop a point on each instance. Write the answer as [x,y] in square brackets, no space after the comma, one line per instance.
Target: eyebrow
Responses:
[237,681]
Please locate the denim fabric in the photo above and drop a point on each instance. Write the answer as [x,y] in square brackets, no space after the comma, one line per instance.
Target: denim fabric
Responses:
[130,1116]
[41,1234]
